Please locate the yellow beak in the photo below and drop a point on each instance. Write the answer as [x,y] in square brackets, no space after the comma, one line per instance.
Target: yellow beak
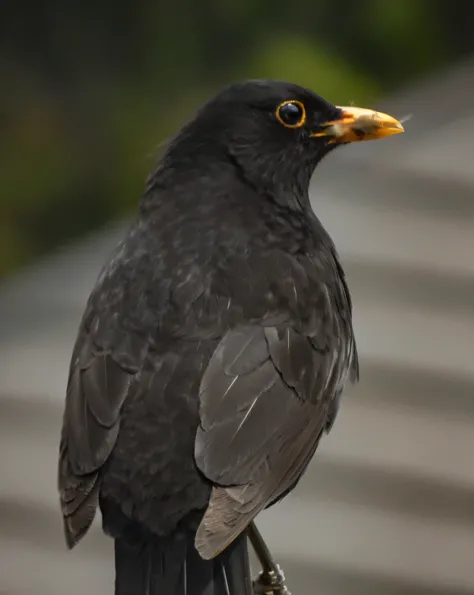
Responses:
[358,124]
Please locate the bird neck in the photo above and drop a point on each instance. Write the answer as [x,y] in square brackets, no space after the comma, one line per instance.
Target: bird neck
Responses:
[285,182]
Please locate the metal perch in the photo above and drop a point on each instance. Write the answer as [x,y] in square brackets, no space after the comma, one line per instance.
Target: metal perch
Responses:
[271,580]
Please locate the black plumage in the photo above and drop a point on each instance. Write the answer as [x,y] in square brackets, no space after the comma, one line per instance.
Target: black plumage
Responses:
[213,349]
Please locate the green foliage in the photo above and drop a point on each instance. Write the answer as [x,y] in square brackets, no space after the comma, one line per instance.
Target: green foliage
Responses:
[302,61]
[406,38]
[92,91]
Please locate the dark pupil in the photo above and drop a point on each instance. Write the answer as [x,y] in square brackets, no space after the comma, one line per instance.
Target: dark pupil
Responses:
[291,113]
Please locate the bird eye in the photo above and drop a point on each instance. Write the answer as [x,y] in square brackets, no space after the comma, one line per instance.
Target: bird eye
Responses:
[291,114]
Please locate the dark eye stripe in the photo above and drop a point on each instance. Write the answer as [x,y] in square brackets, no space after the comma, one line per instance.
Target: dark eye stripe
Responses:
[291,114]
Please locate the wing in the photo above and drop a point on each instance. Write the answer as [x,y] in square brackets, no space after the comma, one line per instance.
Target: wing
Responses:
[104,361]
[266,397]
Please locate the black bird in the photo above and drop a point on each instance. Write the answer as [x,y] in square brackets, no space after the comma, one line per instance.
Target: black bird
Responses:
[215,345]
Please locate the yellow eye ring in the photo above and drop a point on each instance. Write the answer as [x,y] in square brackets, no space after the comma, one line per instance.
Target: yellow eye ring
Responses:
[291,114]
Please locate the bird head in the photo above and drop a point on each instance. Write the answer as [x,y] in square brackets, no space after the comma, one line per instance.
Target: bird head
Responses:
[275,132]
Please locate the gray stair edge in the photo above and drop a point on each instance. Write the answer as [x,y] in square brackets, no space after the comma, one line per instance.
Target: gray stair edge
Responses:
[393,187]
[41,528]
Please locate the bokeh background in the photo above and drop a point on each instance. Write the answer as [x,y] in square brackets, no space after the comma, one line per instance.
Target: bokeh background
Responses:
[90,91]
[88,94]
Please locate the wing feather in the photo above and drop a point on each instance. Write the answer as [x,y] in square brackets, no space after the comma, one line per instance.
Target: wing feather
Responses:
[99,382]
[265,400]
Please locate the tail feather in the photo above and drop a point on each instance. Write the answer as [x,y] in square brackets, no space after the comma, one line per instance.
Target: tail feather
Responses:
[172,566]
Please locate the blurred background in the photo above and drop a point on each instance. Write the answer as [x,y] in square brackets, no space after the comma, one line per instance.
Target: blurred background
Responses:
[89,93]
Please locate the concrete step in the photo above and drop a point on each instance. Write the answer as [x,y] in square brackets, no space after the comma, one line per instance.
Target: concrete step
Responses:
[412,287]
[332,479]
[32,569]
[358,539]
[389,546]
[74,573]
[394,186]
[417,240]
[445,395]
[313,577]
[417,443]
[51,570]
[416,339]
